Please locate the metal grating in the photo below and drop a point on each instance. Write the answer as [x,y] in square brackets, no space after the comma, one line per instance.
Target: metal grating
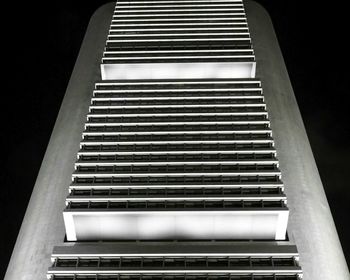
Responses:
[190,276]
[137,134]
[169,39]
[182,181]
[188,31]
[188,204]
[180,261]
[170,192]
[177,145]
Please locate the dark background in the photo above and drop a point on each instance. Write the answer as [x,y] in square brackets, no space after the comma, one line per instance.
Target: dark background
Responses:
[41,42]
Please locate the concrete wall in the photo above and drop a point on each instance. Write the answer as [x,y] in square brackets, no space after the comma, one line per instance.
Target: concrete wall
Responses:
[311,224]
[43,226]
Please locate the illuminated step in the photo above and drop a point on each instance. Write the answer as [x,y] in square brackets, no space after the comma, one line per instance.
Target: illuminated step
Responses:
[220,219]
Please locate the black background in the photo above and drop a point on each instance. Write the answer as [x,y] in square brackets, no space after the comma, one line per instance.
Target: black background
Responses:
[41,42]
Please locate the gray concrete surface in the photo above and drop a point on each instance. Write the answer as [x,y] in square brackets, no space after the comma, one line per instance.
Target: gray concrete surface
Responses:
[42,226]
[311,225]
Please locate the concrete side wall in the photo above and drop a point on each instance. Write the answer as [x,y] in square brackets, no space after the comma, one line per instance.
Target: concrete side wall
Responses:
[42,226]
[311,224]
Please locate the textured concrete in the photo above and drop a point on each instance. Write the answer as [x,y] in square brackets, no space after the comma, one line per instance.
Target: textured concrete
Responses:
[311,225]
[42,226]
